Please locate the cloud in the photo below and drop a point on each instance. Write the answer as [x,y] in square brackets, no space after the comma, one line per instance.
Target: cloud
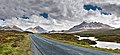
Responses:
[63,14]
[112,8]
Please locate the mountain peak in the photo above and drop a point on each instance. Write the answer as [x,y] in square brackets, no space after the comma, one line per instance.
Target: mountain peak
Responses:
[91,25]
[36,29]
[84,22]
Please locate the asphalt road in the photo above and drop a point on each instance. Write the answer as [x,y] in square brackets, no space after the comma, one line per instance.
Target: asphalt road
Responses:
[44,46]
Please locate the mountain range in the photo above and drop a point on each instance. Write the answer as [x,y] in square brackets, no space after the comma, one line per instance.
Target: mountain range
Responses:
[83,26]
[91,25]
[10,27]
[36,29]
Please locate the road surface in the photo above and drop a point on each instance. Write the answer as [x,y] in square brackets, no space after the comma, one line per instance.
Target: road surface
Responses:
[44,46]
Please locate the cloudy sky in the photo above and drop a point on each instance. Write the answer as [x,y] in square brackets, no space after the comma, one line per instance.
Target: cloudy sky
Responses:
[58,14]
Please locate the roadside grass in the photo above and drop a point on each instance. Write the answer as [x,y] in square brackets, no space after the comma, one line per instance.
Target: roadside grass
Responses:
[70,39]
[14,43]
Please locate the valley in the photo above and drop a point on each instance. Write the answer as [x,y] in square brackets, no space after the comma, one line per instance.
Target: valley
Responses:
[12,40]
[71,39]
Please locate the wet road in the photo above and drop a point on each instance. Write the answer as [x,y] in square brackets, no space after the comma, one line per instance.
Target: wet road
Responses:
[44,46]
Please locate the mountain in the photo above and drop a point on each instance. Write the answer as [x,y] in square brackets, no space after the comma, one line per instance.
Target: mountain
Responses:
[11,27]
[92,25]
[0,27]
[36,29]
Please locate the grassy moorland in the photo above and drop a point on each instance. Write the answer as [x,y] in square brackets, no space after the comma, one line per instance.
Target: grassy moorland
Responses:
[103,35]
[14,43]
[70,39]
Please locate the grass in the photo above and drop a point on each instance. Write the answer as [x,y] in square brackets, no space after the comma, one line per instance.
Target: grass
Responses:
[14,43]
[70,39]
[102,35]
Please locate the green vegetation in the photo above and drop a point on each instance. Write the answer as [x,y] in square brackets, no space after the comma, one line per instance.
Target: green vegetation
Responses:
[14,43]
[71,39]
[103,35]
[68,38]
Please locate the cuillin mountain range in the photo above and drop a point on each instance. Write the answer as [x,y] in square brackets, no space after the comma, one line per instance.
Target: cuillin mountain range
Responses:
[90,25]
[83,26]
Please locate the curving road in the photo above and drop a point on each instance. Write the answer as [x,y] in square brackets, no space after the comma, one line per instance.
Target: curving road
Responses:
[44,46]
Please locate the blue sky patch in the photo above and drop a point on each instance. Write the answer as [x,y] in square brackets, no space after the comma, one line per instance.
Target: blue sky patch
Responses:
[2,19]
[45,15]
[93,7]
[105,13]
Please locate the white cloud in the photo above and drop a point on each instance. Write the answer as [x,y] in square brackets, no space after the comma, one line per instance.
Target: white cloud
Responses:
[63,14]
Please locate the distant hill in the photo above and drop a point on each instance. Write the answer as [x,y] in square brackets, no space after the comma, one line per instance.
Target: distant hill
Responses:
[92,25]
[117,29]
[36,29]
[11,27]
[0,27]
